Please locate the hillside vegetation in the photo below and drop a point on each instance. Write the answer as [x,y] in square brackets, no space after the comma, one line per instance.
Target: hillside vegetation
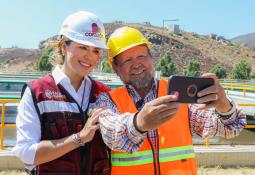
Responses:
[183,47]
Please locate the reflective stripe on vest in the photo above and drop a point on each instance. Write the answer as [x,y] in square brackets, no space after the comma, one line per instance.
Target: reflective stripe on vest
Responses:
[57,106]
[146,157]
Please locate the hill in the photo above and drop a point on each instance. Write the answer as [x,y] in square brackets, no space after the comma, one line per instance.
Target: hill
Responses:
[245,40]
[18,60]
[209,50]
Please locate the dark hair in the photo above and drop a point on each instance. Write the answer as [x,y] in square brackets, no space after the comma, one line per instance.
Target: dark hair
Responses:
[115,61]
[67,42]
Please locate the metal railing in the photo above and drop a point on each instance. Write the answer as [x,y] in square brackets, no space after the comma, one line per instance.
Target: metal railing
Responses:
[247,126]
[13,125]
[228,85]
[239,87]
[3,125]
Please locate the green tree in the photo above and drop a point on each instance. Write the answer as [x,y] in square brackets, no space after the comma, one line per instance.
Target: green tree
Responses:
[168,57]
[241,70]
[165,65]
[106,68]
[171,68]
[219,71]
[193,68]
[44,64]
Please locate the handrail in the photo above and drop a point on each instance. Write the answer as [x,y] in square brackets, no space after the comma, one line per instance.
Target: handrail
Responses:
[3,125]
[244,89]
[247,126]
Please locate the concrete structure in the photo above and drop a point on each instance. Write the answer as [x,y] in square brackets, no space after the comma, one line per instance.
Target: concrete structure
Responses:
[174,29]
[9,161]
[224,156]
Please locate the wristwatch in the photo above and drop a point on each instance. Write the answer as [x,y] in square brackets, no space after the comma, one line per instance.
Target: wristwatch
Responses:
[227,115]
[76,139]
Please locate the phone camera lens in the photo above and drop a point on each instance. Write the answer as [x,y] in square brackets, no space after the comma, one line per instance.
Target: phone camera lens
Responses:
[192,90]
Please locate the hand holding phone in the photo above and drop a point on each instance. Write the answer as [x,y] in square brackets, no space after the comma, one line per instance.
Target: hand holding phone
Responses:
[188,87]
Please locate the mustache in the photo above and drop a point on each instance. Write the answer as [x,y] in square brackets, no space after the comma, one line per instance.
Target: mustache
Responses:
[134,70]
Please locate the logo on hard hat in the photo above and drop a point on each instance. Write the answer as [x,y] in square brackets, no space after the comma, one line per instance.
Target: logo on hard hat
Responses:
[95,33]
[95,28]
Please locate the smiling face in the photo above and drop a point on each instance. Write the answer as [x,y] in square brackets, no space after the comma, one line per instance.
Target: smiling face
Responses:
[79,59]
[135,67]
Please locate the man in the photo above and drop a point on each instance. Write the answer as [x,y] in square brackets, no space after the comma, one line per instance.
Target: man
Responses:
[140,116]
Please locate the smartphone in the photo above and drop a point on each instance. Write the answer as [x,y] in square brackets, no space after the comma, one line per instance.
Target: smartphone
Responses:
[188,87]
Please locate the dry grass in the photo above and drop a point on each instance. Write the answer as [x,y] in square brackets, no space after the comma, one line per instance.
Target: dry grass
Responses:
[201,171]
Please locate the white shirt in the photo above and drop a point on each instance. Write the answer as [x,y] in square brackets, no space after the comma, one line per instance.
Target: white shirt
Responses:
[28,123]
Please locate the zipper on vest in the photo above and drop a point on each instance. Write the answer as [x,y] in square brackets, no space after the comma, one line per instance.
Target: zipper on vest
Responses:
[83,149]
[158,153]
[154,161]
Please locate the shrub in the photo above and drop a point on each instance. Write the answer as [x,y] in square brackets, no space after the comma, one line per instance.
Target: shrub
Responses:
[165,65]
[219,71]
[241,70]
[193,68]
[106,68]
[44,63]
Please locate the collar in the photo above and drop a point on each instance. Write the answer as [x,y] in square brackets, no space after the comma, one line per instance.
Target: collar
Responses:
[131,90]
[59,76]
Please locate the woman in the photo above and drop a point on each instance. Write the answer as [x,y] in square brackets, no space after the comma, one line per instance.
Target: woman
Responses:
[53,130]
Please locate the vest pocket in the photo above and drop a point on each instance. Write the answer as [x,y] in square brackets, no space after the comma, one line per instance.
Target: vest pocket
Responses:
[54,131]
[51,131]
[64,131]
[57,167]
[102,167]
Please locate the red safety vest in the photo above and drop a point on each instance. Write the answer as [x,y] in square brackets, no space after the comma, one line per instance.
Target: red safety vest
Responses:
[61,116]
[175,155]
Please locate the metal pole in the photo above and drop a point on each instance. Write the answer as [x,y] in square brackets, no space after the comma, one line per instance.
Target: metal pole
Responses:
[2,127]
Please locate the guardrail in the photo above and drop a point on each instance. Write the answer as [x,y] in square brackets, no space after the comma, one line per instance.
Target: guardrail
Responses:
[244,86]
[3,125]
[13,125]
[33,75]
[16,98]
[10,85]
[238,87]
[247,126]
[243,89]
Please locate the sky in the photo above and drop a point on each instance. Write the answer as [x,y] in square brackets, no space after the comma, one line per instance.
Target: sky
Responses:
[24,23]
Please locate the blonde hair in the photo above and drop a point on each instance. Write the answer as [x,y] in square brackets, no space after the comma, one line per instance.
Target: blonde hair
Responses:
[56,57]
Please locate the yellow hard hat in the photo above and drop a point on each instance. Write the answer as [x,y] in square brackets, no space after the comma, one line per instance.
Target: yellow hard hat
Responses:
[122,39]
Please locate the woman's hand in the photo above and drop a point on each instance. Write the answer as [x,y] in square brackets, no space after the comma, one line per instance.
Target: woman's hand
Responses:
[88,131]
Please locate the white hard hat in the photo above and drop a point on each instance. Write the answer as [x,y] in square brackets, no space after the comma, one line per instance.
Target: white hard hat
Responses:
[84,28]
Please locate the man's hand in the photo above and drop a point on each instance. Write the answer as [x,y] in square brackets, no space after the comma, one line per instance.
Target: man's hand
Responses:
[214,96]
[157,112]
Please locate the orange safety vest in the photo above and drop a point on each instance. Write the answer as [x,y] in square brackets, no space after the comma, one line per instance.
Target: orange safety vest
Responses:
[175,155]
